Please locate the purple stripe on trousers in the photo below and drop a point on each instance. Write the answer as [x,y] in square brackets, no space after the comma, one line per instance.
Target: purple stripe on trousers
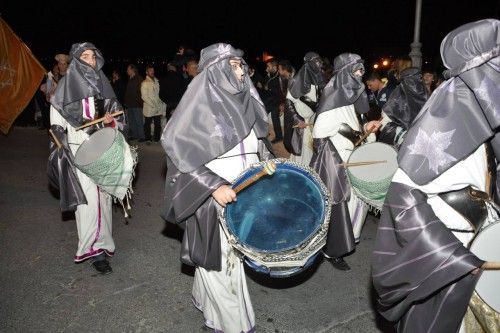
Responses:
[98,231]
[91,254]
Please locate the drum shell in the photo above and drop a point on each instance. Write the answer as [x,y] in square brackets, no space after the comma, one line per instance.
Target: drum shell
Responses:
[107,159]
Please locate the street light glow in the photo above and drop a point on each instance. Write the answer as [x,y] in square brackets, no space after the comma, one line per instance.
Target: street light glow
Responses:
[375,66]
[385,63]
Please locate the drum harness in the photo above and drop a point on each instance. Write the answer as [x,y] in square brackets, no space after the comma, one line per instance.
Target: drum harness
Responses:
[350,134]
[473,204]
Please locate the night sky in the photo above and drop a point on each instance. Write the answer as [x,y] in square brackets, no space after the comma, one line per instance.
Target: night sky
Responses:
[152,30]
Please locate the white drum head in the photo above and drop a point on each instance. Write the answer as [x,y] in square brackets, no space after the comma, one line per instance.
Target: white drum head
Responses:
[375,151]
[96,145]
[486,246]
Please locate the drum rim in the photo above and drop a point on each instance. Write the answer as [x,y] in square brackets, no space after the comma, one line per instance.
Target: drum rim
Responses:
[294,257]
[489,226]
[87,141]
[481,295]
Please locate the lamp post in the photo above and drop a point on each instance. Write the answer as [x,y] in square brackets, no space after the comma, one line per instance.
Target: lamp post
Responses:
[415,53]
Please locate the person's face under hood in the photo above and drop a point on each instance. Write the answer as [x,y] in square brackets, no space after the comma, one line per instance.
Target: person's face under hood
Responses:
[88,56]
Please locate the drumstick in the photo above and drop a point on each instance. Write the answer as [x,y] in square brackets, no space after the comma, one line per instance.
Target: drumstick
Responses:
[58,144]
[117,113]
[353,164]
[307,125]
[491,265]
[268,169]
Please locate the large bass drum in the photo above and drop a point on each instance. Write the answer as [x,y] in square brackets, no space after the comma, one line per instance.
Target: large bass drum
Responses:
[278,223]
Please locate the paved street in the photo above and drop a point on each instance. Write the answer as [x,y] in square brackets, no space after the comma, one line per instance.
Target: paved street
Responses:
[42,290]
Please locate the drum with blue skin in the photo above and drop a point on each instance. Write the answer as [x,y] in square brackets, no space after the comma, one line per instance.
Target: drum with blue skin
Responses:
[279,223]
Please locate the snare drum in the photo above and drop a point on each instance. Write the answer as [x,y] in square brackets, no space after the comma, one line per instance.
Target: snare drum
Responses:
[279,223]
[371,182]
[107,159]
[486,246]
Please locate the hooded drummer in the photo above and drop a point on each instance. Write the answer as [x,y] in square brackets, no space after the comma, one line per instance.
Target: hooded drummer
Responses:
[443,191]
[217,131]
[302,98]
[336,132]
[82,95]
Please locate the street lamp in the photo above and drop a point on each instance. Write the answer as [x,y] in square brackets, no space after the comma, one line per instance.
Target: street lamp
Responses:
[415,53]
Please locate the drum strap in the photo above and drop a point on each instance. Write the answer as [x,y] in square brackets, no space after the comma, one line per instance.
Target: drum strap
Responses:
[399,135]
[236,155]
[347,132]
[469,203]
[491,168]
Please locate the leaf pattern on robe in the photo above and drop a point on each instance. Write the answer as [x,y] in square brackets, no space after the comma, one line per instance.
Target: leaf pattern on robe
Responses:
[489,93]
[433,148]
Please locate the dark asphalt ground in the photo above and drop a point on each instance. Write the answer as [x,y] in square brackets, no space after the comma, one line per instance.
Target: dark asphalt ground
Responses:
[43,290]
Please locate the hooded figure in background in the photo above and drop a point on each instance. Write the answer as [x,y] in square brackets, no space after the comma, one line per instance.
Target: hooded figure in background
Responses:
[335,132]
[402,107]
[443,191]
[82,95]
[303,95]
[217,131]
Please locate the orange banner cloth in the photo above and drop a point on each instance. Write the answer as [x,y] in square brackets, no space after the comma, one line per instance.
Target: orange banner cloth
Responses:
[20,76]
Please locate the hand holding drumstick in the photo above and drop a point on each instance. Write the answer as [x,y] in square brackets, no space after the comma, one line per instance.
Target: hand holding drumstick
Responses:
[108,118]
[369,128]
[225,194]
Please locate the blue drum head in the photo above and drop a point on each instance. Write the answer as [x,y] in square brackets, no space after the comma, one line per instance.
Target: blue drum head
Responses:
[276,213]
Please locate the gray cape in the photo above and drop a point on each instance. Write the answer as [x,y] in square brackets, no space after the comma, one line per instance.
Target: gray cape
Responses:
[215,114]
[420,270]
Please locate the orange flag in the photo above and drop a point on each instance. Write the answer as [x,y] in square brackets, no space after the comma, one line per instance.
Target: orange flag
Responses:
[20,76]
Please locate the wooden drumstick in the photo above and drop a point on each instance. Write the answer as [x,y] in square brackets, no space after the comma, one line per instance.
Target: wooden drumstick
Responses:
[117,113]
[491,265]
[58,144]
[268,169]
[353,164]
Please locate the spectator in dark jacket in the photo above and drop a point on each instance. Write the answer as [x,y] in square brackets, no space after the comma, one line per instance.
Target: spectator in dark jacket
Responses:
[172,88]
[133,103]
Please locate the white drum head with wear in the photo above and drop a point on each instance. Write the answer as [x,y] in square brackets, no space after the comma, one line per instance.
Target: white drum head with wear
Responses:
[371,182]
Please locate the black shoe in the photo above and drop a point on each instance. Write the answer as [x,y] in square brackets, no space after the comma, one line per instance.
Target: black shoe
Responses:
[339,264]
[276,140]
[102,266]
